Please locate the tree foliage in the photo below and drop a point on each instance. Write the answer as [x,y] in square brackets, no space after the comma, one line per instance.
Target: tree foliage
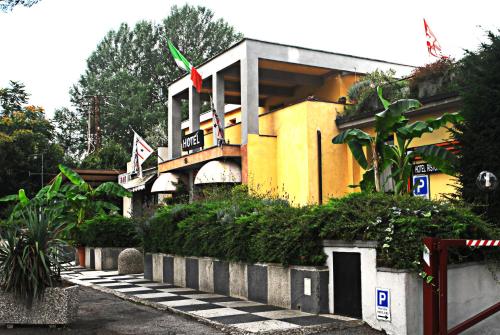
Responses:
[25,134]
[131,68]
[478,135]
[8,5]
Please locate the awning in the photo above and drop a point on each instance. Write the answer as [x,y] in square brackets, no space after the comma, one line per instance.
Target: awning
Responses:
[166,182]
[138,184]
[218,172]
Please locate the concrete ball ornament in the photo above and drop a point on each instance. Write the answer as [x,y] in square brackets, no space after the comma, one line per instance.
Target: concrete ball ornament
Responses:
[486,181]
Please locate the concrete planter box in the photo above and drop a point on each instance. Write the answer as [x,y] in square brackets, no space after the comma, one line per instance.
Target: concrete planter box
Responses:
[57,307]
[89,258]
[267,283]
[106,258]
[148,266]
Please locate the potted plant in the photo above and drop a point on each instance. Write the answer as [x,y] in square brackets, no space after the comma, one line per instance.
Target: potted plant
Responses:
[433,79]
[31,258]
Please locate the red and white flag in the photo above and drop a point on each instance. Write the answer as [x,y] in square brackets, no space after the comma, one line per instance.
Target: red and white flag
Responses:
[140,152]
[433,46]
[184,64]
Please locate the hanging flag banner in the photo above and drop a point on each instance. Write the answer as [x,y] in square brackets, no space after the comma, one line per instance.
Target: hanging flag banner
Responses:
[433,46]
[140,152]
[184,64]
[217,125]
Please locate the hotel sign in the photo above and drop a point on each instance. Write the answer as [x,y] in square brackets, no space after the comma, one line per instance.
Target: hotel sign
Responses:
[193,140]
[424,168]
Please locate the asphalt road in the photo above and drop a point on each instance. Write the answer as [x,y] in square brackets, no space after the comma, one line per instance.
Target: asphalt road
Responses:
[104,314]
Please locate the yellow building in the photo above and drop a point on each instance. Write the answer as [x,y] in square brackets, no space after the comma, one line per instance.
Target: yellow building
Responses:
[279,105]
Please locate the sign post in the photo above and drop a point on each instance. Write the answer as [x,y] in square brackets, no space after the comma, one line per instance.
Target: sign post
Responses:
[383,304]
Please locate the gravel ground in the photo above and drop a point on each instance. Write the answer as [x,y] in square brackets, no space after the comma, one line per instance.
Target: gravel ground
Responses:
[104,314]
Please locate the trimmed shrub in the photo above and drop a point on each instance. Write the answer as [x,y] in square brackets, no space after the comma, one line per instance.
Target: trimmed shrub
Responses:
[109,231]
[240,227]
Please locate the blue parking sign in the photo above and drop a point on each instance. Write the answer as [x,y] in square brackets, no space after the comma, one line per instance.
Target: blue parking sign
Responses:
[421,186]
[383,304]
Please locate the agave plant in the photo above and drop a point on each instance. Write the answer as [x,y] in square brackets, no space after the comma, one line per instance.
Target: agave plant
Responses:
[392,122]
[31,252]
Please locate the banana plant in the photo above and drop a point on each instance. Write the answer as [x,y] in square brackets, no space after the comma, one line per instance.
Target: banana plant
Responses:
[78,198]
[382,154]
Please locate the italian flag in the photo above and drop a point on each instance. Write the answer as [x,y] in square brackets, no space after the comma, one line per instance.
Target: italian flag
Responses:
[184,64]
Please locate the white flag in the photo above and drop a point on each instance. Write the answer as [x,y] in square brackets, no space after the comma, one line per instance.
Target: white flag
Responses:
[140,152]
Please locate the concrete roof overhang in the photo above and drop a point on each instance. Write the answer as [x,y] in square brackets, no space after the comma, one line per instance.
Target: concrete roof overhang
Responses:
[281,69]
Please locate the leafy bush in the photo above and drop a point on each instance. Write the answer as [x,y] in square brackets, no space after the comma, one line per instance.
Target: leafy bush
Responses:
[109,231]
[236,227]
[241,227]
[399,223]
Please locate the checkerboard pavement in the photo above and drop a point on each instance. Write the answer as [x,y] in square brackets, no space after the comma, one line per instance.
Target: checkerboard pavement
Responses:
[242,315]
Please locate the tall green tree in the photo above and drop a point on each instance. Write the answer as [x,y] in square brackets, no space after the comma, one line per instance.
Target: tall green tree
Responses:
[12,98]
[131,67]
[480,133]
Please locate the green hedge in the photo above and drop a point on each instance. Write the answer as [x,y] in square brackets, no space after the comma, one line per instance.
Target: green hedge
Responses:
[239,227]
[109,231]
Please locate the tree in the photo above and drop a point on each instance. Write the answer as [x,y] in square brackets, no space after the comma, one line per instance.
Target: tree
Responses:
[8,5]
[111,156]
[13,97]
[479,134]
[131,67]
[393,122]
[69,132]
[25,134]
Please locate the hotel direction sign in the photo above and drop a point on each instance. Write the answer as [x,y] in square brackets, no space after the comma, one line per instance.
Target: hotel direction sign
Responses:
[424,168]
[193,140]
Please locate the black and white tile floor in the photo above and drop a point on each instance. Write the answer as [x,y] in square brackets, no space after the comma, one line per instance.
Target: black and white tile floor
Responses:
[243,315]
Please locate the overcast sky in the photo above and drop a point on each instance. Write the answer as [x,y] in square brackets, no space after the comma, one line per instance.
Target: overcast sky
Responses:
[46,46]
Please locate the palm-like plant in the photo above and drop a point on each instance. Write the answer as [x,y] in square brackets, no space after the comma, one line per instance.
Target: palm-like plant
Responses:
[383,154]
[31,252]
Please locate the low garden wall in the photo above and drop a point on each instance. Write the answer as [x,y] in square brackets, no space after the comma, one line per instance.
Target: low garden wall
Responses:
[295,287]
[472,287]
[102,258]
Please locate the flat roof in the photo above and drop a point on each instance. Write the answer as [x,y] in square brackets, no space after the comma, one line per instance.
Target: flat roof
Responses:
[289,46]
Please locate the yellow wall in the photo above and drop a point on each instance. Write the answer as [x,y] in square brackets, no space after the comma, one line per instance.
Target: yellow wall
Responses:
[261,151]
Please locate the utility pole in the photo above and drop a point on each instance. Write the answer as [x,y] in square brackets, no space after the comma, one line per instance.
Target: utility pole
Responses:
[94,124]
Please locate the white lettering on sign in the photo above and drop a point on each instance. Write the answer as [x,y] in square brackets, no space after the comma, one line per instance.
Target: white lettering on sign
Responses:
[383,304]
[307,286]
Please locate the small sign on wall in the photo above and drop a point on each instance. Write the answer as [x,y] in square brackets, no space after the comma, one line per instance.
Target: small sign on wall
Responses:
[383,304]
[307,286]
[421,187]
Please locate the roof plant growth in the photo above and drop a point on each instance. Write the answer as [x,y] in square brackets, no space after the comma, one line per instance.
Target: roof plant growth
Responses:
[382,153]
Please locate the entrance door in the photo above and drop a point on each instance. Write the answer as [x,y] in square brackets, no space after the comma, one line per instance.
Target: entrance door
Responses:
[347,284]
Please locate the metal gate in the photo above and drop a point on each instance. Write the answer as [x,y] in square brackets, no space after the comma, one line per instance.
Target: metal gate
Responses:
[436,291]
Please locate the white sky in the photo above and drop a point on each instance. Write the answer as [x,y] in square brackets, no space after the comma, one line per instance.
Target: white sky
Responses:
[46,46]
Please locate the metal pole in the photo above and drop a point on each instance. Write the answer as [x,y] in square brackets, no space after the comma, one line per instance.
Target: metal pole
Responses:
[42,169]
[430,289]
[443,287]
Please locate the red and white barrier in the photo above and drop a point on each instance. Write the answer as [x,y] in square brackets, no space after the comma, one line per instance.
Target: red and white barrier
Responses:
[482,243]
